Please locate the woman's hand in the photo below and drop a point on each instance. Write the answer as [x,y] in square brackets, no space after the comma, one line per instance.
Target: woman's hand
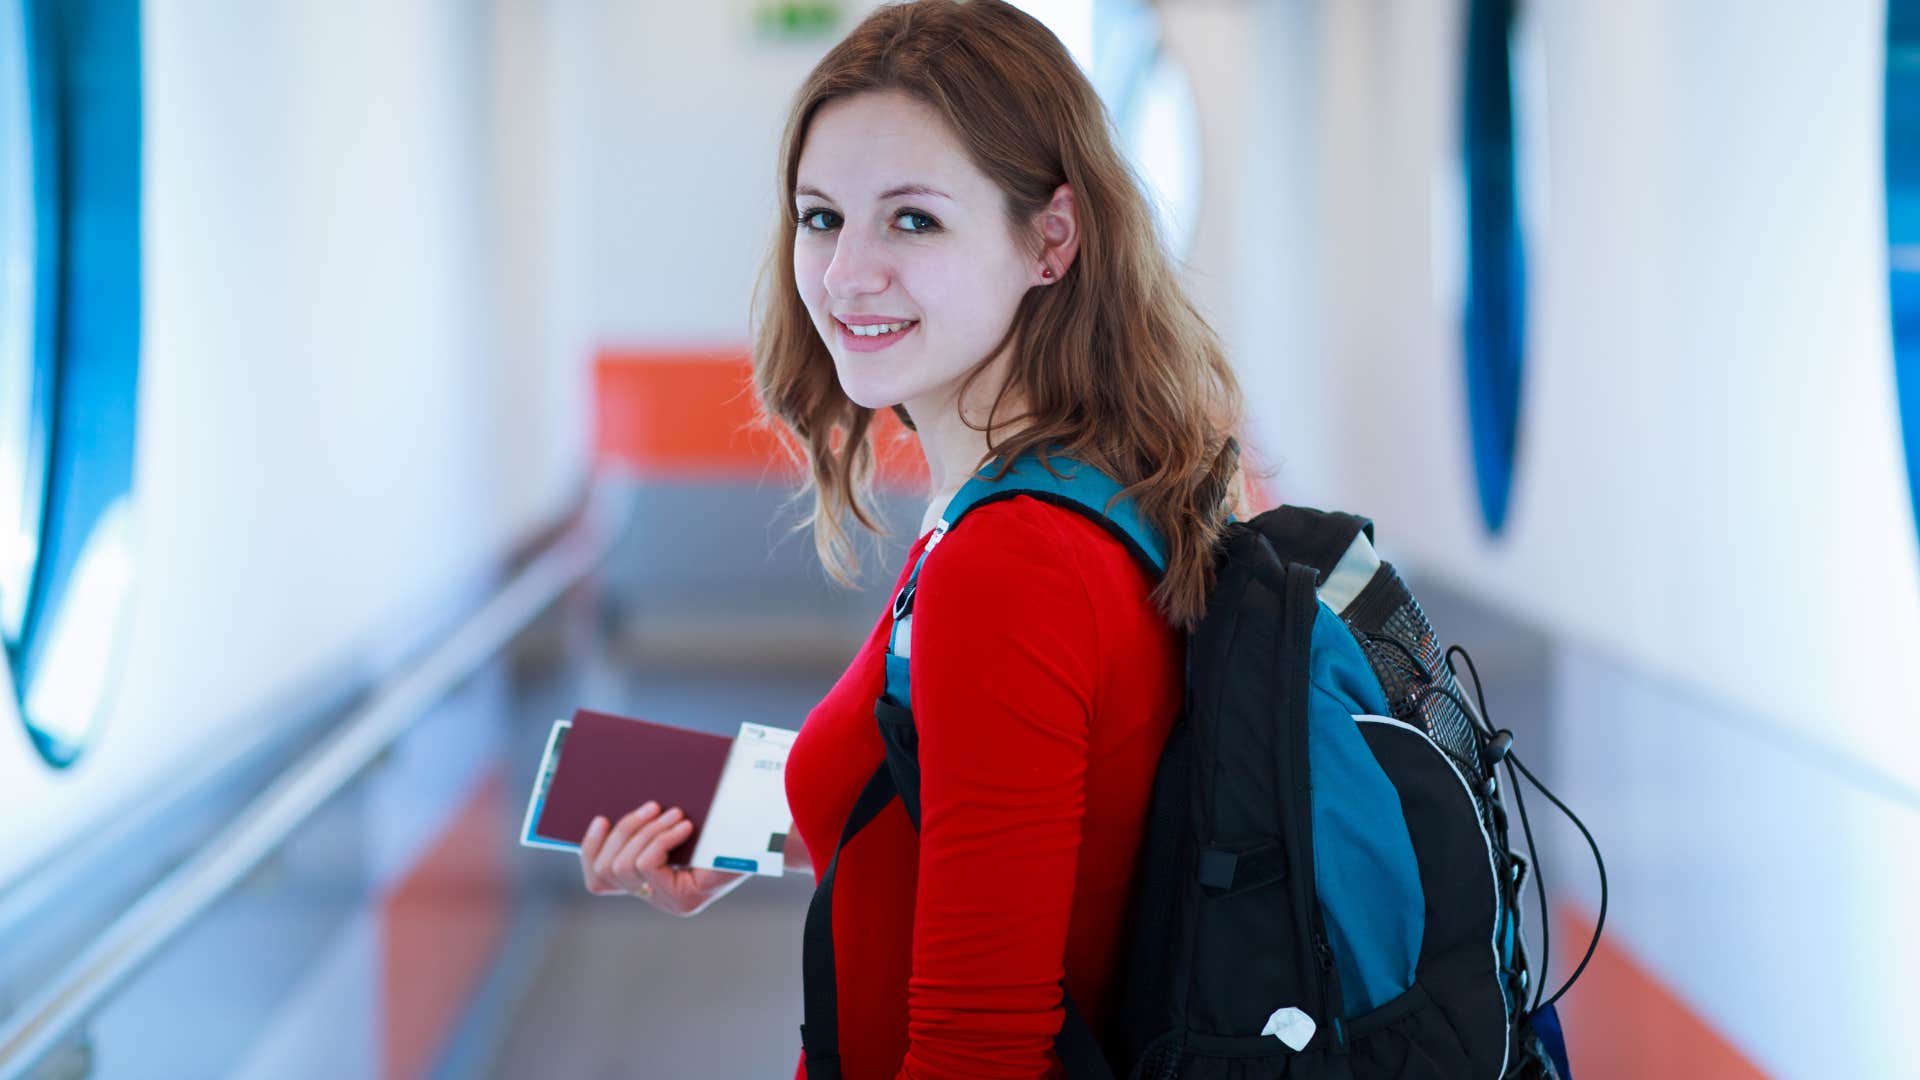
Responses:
[631,857]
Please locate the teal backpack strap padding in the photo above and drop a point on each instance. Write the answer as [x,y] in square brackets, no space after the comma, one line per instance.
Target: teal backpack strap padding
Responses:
[1365,871]
[900,635]
[1079,486]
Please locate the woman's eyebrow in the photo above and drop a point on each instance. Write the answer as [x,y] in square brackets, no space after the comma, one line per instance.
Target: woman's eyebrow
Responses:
[913,189]
[891,193]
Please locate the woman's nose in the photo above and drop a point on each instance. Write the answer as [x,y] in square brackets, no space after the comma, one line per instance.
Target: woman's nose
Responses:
[858,269]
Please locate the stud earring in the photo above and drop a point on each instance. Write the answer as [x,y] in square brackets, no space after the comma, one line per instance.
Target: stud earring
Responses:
[1046,271]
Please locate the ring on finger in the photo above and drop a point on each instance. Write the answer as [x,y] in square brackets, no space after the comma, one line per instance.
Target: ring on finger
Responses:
[646,890]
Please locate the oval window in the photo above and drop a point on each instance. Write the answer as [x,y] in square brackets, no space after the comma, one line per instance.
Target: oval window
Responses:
[1903,222]
[24,382]
[1494,323]
[72,126]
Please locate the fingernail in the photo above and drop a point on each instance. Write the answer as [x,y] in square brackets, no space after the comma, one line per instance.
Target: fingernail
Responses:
[650,807]
[598,824]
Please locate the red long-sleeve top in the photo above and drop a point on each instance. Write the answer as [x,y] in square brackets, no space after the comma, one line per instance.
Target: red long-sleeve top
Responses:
[1044,685]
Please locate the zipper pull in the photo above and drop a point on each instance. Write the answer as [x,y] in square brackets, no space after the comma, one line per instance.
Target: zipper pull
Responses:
[1324,953]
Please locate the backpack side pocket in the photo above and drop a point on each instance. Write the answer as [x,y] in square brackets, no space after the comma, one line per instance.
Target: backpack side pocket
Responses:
[1460,955]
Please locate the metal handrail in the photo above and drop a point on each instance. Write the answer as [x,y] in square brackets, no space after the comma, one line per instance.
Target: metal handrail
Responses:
[257,831]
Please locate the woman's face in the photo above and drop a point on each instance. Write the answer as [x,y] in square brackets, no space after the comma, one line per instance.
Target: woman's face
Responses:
[897,226]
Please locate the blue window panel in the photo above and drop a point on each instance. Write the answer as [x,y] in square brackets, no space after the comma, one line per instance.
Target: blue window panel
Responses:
[1494,326]
[29,175]
[1903,222]
[85,56]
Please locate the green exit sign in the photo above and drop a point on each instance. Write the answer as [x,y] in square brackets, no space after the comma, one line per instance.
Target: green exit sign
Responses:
[796,19]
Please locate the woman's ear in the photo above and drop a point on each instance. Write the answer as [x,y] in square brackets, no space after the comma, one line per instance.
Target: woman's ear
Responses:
[1058,225]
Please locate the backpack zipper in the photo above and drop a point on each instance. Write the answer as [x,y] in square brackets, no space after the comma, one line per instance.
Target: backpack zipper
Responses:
[1302,608]
[1330,998]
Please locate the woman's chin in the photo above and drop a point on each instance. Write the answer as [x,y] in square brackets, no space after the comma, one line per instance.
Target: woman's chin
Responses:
[869,397]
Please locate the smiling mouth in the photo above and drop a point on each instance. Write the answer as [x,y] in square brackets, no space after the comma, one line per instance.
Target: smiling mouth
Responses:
[878,331]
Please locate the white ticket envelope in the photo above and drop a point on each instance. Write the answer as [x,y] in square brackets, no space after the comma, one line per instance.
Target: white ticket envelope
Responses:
[746,828]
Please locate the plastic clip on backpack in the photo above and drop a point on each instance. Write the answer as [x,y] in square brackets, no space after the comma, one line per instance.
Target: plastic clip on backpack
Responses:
[1325,887]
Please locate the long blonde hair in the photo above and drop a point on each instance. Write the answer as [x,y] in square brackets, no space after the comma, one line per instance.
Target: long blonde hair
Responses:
[1112,361]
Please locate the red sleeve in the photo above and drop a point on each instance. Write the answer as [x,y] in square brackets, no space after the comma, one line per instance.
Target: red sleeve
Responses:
[1005,660]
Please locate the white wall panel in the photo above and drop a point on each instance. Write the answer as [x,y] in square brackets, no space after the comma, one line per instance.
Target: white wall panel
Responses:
[1761,877]
[1709,480]
[685,108]
[324,412]
[540,389]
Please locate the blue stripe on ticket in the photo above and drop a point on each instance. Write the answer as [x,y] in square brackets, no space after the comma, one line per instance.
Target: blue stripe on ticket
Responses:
[728,862]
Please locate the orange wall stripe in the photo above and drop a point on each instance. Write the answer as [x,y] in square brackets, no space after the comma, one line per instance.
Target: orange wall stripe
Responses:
[1623,1023]
[691,414]
[439,928]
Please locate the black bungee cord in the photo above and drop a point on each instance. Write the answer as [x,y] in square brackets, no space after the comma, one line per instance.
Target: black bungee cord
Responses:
[1512,760]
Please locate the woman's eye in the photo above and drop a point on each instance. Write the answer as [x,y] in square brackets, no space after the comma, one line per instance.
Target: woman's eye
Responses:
[921,222]
[820,221]
[809,217]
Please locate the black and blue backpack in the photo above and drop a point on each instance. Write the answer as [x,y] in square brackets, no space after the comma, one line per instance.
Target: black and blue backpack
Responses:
[1325,887]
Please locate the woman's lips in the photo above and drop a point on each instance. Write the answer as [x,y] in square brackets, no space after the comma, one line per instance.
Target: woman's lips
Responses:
[871,344]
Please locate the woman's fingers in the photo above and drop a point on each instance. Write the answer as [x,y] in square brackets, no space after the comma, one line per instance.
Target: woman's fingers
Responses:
[590,845]
[618,856]
[604,864]
[633,860]
[624,860]
[665,839]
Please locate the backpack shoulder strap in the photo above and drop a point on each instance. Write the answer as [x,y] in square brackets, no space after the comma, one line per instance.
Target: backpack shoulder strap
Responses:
[1073,484]
[1062,481]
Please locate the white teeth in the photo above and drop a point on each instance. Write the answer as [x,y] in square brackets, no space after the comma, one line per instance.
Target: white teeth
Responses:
[876,331]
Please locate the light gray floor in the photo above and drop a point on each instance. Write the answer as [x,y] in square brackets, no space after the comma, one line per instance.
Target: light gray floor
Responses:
[627,991]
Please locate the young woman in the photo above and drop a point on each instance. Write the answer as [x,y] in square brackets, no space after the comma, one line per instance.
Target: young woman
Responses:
[963,243]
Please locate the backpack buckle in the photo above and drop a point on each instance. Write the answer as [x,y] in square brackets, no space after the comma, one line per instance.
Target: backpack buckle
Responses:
[903,603]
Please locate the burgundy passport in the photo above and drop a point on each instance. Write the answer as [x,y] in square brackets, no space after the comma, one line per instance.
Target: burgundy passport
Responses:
[610,765]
